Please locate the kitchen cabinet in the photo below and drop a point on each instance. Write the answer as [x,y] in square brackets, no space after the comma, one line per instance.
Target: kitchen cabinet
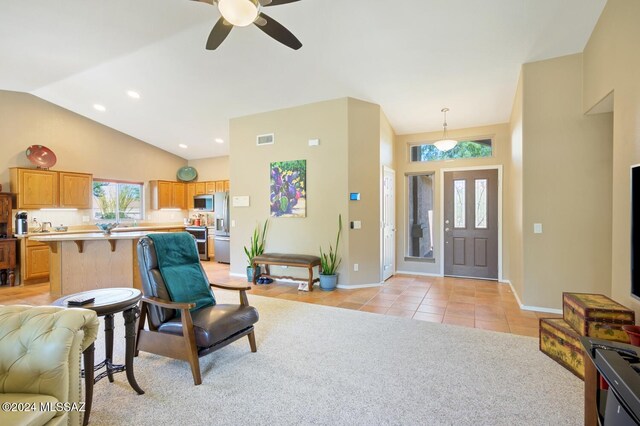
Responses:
[34,267]
[219,185]
[179,195]
[168,195]
[191,192]
[227,186]
[211,250]
[37,189]
[200,188]
[75,190]
[210,187]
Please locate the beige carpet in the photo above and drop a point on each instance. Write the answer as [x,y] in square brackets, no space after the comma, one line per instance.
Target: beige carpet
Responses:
[324,365]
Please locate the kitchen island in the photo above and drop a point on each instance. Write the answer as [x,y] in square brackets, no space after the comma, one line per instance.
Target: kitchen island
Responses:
[81,262]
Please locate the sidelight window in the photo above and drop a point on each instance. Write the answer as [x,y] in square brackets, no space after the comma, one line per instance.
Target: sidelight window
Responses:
[420,216]
[117,200]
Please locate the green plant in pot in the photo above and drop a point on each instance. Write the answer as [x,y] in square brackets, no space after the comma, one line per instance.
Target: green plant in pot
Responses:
[329,263]
[256,248]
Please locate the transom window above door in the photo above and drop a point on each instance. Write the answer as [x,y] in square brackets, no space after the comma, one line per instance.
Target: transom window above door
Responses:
[476,148]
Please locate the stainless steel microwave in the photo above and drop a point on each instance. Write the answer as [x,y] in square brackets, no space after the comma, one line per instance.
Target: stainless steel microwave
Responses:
[203,203]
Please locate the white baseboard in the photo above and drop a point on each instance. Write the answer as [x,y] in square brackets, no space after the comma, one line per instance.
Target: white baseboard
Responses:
[531,308]
[351,287]
[422,274]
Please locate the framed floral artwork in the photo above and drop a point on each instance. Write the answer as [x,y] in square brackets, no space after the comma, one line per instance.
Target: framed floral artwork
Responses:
[288,196]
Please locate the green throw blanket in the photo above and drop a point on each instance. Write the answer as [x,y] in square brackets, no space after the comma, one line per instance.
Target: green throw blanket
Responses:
[180,267]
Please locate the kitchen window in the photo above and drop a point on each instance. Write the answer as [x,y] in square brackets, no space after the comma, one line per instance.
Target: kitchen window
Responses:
[420,217]
[117,200]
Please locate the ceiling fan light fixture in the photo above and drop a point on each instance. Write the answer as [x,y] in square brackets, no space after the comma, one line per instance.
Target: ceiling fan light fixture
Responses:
[445,144]
[240,13]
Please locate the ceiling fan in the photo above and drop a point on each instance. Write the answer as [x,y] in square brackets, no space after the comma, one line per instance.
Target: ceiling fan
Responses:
[242,13]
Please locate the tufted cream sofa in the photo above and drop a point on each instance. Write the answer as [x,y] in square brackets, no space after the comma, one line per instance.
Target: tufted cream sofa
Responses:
[40,352]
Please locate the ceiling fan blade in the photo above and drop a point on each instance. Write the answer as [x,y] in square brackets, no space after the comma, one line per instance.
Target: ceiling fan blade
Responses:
[266,3]
[275,30]
[219,32]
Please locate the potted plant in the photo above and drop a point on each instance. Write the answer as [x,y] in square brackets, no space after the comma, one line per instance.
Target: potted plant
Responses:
[329,263]
[256,248]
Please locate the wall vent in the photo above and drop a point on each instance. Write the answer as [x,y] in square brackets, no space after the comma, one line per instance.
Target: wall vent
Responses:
[265,139]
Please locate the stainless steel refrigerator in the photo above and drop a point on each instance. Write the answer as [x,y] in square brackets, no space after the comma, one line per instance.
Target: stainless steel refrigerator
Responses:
[221,240]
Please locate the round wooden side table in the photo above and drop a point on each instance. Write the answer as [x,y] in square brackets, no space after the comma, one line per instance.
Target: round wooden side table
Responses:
[109,301]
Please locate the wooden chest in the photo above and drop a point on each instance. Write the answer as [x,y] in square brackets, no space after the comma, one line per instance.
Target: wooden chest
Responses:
[596,315]
[560,342]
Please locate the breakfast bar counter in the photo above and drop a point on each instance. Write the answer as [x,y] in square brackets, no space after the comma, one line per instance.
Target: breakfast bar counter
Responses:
[81,262]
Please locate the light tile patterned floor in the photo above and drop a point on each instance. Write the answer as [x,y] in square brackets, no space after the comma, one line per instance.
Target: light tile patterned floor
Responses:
[471,303]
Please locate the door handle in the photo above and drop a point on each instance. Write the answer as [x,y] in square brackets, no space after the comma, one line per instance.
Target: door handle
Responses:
[446,229]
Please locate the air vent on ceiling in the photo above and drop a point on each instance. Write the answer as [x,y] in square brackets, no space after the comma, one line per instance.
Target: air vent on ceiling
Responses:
[265,139]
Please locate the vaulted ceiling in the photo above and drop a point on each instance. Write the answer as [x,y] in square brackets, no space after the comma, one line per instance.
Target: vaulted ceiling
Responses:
[412,57]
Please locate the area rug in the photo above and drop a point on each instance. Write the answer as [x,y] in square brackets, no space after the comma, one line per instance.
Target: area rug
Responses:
[325,366]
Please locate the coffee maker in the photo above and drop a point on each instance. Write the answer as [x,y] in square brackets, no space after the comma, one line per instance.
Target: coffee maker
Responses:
[22,224]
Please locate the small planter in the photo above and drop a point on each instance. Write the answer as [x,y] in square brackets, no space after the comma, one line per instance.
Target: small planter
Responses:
[328,282]
[250,273]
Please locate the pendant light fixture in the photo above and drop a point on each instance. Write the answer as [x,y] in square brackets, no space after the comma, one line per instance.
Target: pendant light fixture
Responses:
[445,144]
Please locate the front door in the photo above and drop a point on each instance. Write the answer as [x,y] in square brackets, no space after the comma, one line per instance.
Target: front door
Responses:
[388,224]
[471,224]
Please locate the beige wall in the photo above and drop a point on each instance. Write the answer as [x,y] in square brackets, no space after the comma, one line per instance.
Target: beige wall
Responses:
[352,137]
[500,135]
[566,182]
[212,168]
[365,177]
[513,250]
[80,145]
[327,178]
[612,63]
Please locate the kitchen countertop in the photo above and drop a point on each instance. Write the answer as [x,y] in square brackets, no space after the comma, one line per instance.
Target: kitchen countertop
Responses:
[91,230]
[89,236]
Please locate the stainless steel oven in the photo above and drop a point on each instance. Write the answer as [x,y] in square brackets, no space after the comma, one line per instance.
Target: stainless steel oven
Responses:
[200,233]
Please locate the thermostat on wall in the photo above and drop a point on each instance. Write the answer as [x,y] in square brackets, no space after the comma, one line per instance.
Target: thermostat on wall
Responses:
[354,196]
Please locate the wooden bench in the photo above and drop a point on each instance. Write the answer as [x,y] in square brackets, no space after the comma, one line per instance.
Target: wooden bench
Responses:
[283,259]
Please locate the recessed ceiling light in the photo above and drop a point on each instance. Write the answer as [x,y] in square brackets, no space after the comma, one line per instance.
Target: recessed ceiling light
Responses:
[99,107]
[133,94]
[183,146]
[219,140]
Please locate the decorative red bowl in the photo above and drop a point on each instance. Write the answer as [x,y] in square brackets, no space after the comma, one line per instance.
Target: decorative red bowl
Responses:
[633,331]
[41,156]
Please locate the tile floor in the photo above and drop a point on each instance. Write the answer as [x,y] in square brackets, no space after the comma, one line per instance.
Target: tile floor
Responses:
[465,302]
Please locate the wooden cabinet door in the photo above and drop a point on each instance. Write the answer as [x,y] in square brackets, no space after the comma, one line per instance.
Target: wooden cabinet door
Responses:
[219,185]
[201,188]
[210,187]
[5,209]
[227,186]
[37,189]
[37,262]
[165,195]
[191,192]
[211,246]
[7,254]
[75,190]
[179,197]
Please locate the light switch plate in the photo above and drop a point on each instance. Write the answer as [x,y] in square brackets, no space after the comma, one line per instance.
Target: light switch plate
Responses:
[314,142]
[356,224]
[537,228]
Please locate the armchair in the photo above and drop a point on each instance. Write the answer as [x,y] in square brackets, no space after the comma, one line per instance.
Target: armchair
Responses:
[40,350]
[174,330]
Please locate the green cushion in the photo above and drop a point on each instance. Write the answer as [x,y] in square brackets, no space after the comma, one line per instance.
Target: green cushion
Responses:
[179,265]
